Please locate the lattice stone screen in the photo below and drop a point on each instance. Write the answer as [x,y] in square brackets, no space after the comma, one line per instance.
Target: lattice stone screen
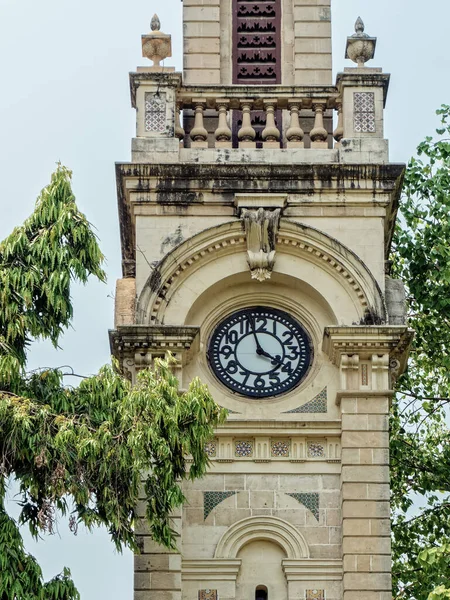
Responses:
[256,42]
[155,113]
[364,112]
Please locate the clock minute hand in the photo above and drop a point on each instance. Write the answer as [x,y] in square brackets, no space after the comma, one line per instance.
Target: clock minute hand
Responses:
[259,349]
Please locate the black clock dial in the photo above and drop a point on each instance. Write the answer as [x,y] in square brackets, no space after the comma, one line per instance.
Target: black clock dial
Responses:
[260,352]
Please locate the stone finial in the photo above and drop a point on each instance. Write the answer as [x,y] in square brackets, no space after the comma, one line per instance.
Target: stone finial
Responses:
[155,23]
[360,46]
[156,45]
[359,28]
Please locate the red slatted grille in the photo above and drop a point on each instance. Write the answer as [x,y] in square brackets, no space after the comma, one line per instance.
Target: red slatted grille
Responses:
[256,42]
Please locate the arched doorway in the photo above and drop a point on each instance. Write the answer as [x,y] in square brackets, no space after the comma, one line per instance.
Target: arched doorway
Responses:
[261,575]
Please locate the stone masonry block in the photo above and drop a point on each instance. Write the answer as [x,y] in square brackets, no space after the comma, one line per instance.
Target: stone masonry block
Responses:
[372,405]
[365,439]
[312,2]
[360,563]
[261,499]
[366,527]
[367,595]
[314,77]
[166,581]
[369,509]
[366,545]
[201,76]
[366,473]
[365,491]
[201,30]
[313,61]
[308,13]
[151,547]
[201,3]
[157,562]
[313,46]
[158,595]
[142,581]
[209,45]
[312,30]
[367,581]
[201,61]
[202,14]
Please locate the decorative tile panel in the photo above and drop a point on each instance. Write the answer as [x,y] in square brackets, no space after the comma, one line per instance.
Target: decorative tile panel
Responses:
[316,405]
[208,595]
[243,449]
[315,594]
[316,450]
[309,500]
[364,112]
[213,499]
[280,448]
[211,448]
[155,112]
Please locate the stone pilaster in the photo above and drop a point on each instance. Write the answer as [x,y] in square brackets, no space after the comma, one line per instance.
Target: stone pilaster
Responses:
[157,570]
[365,356]
[366,544]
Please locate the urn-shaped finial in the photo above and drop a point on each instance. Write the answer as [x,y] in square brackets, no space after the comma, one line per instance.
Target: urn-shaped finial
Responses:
[360,46]
[156,45]
[155,23]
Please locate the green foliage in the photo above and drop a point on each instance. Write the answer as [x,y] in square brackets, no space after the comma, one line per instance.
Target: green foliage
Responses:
[420,442]
[90,452]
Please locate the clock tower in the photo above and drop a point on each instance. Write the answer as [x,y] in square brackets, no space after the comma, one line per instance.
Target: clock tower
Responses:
[256,221]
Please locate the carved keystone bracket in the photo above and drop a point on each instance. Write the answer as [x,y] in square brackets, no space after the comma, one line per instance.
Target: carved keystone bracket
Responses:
[261,227]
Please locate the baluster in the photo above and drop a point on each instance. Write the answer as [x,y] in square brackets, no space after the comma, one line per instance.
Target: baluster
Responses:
[223,132]
[270,134]
[319,134]
[246,133]
[199,135]
[338,133]
[179,131]
[295,133]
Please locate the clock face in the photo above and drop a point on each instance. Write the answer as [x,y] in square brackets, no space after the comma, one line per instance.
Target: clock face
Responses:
[260,352]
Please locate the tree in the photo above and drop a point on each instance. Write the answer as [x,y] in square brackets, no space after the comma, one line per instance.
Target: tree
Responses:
[81,451]
[420,442]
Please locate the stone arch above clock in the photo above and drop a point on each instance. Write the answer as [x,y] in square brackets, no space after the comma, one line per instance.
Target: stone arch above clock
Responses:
[343,287]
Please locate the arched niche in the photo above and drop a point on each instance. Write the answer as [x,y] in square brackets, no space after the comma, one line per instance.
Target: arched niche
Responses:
[271,529]
[304,254]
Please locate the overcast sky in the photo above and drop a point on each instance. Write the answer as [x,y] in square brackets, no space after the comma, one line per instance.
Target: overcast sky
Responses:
[65,96]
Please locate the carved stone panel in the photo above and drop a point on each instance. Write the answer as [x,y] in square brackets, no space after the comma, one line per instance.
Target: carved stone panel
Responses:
[261,227]
[256,42]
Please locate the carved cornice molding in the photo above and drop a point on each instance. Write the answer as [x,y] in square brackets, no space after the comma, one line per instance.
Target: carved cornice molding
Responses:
[370,358]
[366,341]
[321,569]
[210,569]
[135,346]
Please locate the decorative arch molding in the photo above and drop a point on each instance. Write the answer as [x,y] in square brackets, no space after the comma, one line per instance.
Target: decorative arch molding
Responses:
[267,528]
[293,238]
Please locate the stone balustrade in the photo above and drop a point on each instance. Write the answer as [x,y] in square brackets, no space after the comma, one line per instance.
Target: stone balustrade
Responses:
[267,117]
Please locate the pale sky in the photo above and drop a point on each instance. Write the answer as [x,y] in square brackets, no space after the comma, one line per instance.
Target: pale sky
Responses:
[65,96]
